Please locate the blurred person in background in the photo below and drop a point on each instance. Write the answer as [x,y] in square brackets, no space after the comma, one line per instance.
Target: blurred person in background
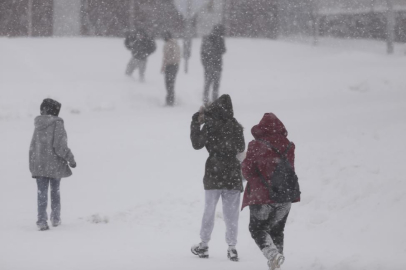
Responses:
[212,50]
[141,46]
[49,160]
[170,66]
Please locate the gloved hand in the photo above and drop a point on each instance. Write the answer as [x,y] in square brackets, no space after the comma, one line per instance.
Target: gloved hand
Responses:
[195,117]
[72,164]
[201,114]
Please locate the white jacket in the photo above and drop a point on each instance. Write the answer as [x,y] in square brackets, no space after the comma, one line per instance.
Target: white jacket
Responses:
[171,53]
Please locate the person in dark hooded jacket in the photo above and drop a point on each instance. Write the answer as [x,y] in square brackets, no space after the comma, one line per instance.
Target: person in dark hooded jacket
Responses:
[212,50]
[268,217]
[141,46]
[49,160]
[223,138]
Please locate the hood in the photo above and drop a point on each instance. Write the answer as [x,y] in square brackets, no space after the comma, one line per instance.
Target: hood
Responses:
[43,121]
[269,126]
[221,109]
[50,107]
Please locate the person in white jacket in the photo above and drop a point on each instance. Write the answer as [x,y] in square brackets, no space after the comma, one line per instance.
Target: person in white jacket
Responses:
[49,160]
[170,66]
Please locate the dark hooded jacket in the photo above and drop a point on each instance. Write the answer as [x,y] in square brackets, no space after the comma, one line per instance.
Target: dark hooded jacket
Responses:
[140,48]
[213,48]
[223,138]
[262,160]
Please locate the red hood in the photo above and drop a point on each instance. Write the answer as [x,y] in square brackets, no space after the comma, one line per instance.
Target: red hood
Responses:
[269,126]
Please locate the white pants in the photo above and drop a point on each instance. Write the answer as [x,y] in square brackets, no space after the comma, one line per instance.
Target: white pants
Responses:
[231,212]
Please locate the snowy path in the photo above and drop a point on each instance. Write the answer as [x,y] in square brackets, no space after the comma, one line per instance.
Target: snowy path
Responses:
[136,198]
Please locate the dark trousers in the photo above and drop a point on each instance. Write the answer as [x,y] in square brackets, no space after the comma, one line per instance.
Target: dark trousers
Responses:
[267,224]
[170,76]
[43,184]
[211,77]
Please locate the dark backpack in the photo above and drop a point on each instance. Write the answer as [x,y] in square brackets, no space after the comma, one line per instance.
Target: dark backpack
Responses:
[284,181]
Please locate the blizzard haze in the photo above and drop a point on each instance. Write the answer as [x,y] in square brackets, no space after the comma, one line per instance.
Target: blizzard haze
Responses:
[136,199]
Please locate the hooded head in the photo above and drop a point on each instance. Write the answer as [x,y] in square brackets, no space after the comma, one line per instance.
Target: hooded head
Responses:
[50,107]
[269,126]
[220,109]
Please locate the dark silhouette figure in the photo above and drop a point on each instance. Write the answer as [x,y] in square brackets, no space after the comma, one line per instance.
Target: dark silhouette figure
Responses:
[170,66]
[141,46]
[213,48]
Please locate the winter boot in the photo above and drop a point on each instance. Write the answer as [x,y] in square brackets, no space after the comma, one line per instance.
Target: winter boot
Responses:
[275,259]
[276,262]
[55,222]
[201,251]
[232,254]
[43,226]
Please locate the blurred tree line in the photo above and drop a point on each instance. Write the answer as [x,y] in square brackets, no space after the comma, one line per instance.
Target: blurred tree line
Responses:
[372,25]
[241,18]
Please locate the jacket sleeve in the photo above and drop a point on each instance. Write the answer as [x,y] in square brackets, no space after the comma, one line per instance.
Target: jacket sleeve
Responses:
[204,56]
[151,46]
[127,43]
[197,136]
[61,143]
[31,154]
[166,56]
[249,165]
[223,46]
[240,141]
[291,156]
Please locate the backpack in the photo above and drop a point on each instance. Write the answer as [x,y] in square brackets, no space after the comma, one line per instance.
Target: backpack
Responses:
[285,185]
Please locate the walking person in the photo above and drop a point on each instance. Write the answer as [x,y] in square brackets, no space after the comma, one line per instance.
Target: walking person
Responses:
[272,186]
[49,160]
[141,46]
[212,50]
[223,138]
[170,66]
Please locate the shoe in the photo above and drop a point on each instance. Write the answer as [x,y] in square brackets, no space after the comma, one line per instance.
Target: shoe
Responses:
[43,226]
[55,222]
[232,254]
[276,262]
[202,252]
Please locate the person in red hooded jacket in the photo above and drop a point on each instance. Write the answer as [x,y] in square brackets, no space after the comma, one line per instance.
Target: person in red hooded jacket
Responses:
[267,217]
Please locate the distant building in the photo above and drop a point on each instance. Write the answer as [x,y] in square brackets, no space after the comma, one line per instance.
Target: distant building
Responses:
[87,17]
[113,17]
[241,18]
[362,19]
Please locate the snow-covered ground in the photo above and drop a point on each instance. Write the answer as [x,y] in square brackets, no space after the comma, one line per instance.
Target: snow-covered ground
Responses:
[135,200]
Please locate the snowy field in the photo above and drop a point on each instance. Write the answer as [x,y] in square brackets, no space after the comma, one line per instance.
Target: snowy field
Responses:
[135,200]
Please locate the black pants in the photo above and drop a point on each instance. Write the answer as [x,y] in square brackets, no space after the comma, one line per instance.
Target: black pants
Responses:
[170,76]
[43,184]
[267,224]
[211,77]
